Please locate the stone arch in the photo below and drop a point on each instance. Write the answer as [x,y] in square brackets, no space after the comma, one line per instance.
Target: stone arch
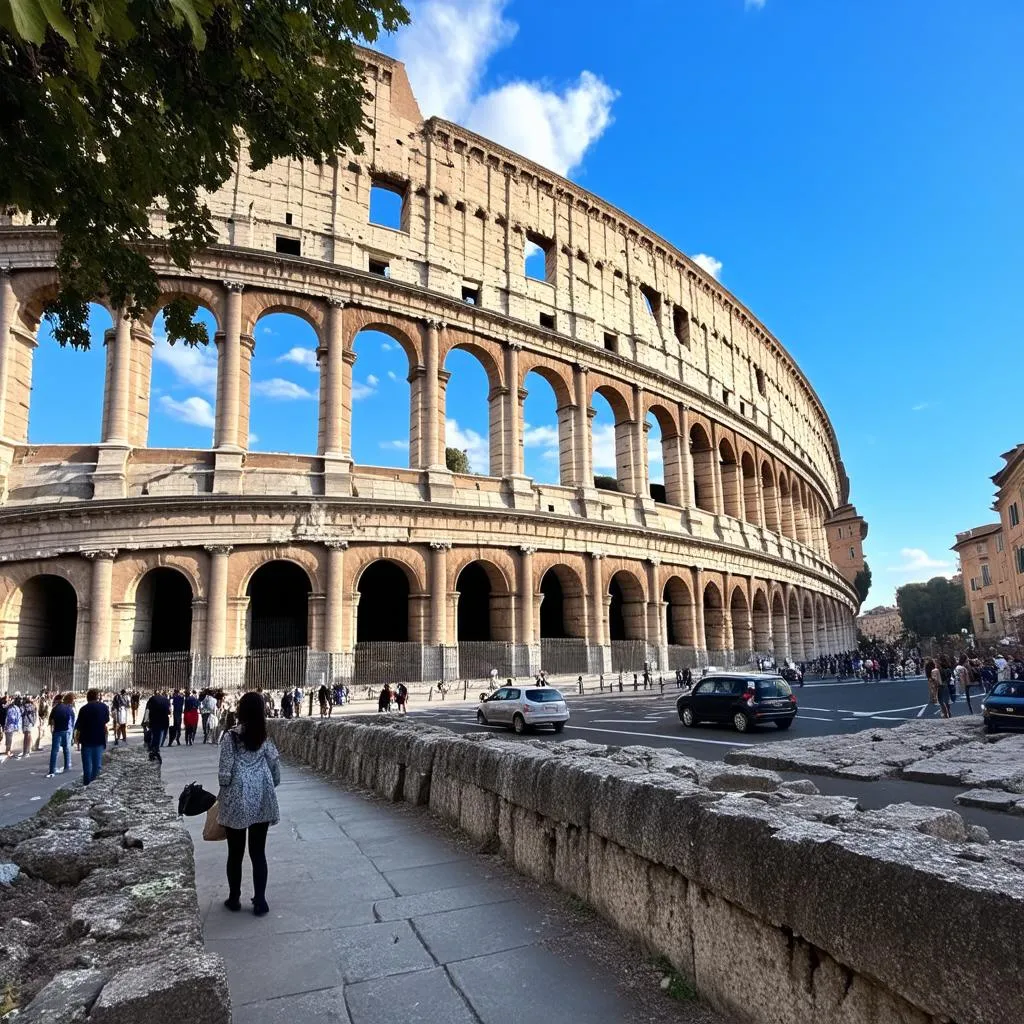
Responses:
[246,562]
[672,485]
[562,602]
[809,631]
[715,640]
[779,626]
[800,515]
[751,489]
[205,294]
[761,622]
[628,462]
[786,505]
[704,469]
[257,304]
[278,613]
[494,395]
[680,621]
[129,572]
[41,614]
[384,588]
[484,607]
[730,475]
[795,627]
[162,612]
[564,420]
[821,627]
[771,498]
[627,608]
[408,332]
[739,616]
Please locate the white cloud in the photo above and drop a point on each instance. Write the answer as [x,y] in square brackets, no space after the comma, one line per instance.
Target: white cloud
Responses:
[253,439]
[604,449]
[280,390]
[753,5]
[372,380]
[386,346]
[469,441]
[920,406]
[304,357]
[446,50]
[195,411]
[195,365]
[708,263]
[540,437]
[392,375]
[395,445]
[915,559]
[361,389]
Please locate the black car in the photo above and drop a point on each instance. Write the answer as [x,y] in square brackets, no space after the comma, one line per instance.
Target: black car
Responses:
[1003,708]
[745,700]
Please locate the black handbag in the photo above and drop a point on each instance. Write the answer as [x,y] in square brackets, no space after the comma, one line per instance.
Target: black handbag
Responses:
[195,800]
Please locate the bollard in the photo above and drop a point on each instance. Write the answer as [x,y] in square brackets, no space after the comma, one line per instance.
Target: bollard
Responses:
[430,694]
[579,682]
[600,683]
[465,689]
[661,683]
[636,684]
[620,682]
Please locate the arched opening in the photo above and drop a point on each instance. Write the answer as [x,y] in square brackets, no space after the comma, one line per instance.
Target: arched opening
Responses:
[182,395]
[780,628]
[484,622]
[788,523]
[562,621]
[283,413]
[163,613]
[821,625]
[474,616]
[383,612]
[627,630]
[810,649]
[714,624]
[771,499]
[702,456]
[796,633]
[739,616]
[680,624]
[547,429]
[472,413]
[57,373]
[384,417]
[799,510]
[730,480]
[278,615]
[611,447]
[761,622]
[751,511]
[44,617]
[663,456]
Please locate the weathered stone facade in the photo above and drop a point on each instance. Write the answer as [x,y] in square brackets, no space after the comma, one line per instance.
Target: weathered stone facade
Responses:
[737,557]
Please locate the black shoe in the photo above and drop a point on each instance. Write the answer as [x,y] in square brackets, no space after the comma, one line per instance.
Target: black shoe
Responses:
[233,905]
[261,908]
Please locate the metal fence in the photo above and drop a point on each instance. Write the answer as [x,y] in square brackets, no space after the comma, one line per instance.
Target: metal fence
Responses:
[380,662]
[563,657]
[629,655]
[680,657]
[34,675]
[478,657]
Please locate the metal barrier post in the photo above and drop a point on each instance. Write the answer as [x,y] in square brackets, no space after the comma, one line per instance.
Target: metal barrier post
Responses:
[620,682]
[636,684]
[579,682]
[600,683]
[661,683]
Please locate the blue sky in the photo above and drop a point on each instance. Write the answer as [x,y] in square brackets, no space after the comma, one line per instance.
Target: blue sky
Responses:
[854,167]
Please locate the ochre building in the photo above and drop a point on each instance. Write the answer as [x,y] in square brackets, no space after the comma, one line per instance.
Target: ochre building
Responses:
[116,552]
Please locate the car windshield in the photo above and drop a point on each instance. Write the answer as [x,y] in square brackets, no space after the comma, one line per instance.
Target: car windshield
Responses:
[1015,689]
[545,696]
[772,688]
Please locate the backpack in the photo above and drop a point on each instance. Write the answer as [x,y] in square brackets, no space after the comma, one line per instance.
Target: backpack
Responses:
[194,800]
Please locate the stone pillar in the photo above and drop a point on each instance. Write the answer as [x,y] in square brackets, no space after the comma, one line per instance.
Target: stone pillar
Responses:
[140,384]
[439,591]
[513,460]
[431,454]
[595,587]
[699,628]
[334,640]
[115,423]
[229,370]
[526,602]
[100,606]
[332,384]
[686,487]
[217,600]
[581,429]
[656,632]
[8,311]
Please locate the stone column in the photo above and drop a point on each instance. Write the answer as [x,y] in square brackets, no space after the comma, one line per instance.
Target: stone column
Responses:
[581,429]
[656,633]
[332,380]
[513,459]
[334,639]
[699,629]
[100,607]
[439,591]
[526,602]
[639,446]
[229,370]
[8,311]
[217,600]
[687,495]
[432,456]
[115,425]
[595,586]
[140,384]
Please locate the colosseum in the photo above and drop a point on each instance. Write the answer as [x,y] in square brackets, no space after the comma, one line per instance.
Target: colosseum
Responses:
[221,563]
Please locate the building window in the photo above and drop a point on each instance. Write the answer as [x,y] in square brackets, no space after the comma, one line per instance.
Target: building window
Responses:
[999,542]
[1014,515]
[471,293]
[611,342]
[288,218]
[547,320]
[288,246]
[380,267]
[839,532]
[1018,558]
[652,300]
[986,576]
[539,258]
[762,388]
[990,611]
[388,205]
[982,547]
[853,554]
[974,583]
[681,325]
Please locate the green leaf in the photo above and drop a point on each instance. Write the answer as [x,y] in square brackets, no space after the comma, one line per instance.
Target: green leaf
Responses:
[29,20]
[58,22]
[186,9]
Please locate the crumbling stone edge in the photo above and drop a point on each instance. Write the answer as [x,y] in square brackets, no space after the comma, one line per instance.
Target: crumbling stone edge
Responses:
[778,904]
[133,947]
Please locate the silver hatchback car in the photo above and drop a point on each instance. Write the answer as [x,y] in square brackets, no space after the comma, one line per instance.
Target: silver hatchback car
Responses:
[521,708]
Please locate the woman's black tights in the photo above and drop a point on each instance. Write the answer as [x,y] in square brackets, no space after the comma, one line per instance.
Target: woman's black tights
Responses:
[257,855]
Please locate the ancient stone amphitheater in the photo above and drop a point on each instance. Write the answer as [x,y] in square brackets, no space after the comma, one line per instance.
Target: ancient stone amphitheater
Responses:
[126,562]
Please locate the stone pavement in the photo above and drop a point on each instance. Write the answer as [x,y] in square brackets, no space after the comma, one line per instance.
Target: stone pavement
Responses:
[377,915]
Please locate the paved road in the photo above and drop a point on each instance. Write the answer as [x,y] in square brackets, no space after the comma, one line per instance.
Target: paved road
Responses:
[826,708]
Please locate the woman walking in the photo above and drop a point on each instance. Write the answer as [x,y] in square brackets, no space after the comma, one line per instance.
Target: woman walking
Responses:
[249,773]
[938,692]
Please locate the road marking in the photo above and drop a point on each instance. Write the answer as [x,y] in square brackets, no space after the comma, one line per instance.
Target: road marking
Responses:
[658,736]
[813,718]
[804,707]
[884,711]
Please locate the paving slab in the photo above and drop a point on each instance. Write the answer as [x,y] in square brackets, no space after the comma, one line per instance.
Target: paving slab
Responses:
[427,997]
[326,1006]
[405,907]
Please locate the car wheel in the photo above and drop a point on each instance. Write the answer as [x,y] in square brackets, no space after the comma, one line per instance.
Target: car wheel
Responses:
[741,722]
[559,726]
[480,720]
[519,725]
[688,718]
[784,723]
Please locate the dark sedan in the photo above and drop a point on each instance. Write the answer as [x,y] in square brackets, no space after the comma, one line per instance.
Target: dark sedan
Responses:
[745,699]
[1003,708]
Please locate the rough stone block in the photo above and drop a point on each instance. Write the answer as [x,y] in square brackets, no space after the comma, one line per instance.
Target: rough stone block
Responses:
[66,999]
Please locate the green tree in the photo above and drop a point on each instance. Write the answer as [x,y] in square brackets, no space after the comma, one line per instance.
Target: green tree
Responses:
[109,107]
[935,608]
[862,582]
[457,460]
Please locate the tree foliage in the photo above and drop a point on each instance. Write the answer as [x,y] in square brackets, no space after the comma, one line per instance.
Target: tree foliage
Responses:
[606,483]
[457,460]
[935,608]
[108,107]
[862,582]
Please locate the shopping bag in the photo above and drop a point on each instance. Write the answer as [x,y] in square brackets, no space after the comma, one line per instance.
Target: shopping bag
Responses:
[213,830]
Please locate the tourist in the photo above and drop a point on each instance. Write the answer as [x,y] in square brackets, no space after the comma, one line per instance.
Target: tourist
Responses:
[297,696]
[249,772]
[962,675]
[135,705]
[287,705]
[29,720]
[12,726]
[324,697]
[178,706]
[61,722]
[120,706]
[158,717]
[190,717]
[384,700]
[43,713]
[91,733]
[402,697]
[207,707]
[938,685]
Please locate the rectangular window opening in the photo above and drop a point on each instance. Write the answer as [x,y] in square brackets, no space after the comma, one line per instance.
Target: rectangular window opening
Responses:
[611,342]
[539,258]
[852,554]
[762,388]
[986,576]
[1014,515]
[380,267]
[990,608]
[388,204]
[288,218]
[547,320]
[725,396]
[999,542]
[471,293]
[652,300]
[287,246]
[743,408]
[681,325]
